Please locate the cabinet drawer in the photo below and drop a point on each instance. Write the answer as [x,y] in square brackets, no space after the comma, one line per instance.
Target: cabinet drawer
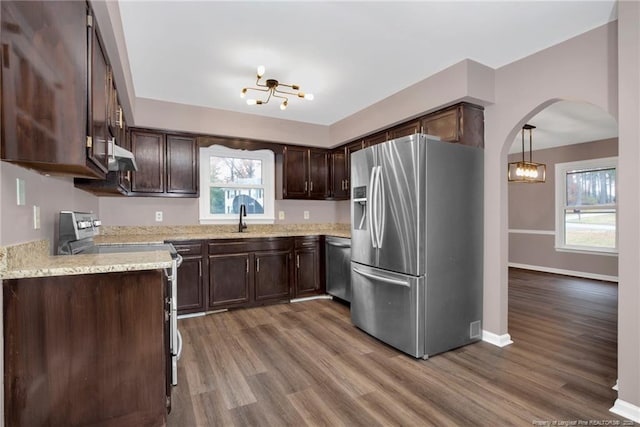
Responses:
[188,248]
[249,245]
[306,242]
[227,247]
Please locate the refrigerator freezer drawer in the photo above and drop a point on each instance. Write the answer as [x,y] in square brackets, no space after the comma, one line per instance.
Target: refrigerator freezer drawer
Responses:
[389,306]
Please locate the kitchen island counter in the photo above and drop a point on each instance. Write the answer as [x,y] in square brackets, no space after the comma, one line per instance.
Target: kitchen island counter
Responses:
[33,260]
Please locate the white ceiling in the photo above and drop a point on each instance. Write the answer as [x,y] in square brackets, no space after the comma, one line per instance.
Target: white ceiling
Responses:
[348,54]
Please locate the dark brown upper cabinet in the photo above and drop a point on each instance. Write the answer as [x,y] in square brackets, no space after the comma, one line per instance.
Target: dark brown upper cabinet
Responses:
[167,164]
[376,138]
[461,123]
[45,81]
[341,170]
[305,173]
[405,129]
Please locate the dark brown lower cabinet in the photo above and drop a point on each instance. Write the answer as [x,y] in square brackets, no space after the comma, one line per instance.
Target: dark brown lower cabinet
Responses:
[191,276]
[308,267]
[229,278]
[273,275]
[246,272]
[86,350]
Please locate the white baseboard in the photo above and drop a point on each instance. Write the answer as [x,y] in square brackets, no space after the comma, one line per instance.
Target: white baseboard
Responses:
[497,340]
[311,298]
[565,272]
[627,410]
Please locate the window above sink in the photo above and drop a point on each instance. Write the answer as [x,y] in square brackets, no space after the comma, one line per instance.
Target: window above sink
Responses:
[230,178]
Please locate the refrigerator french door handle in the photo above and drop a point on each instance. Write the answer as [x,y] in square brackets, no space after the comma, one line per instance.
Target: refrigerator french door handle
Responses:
[381,204]
[382,278]
[370,207]
[376,205]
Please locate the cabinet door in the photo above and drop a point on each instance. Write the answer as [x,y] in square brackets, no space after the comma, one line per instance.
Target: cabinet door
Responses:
[100,89]
[443,124]
[190,286]
[307,271]
[318,174]
[148,149]
[229,279]
[377,138]
[339,177]
[295,172]
[405,129]
[44,86]
[94,342]
[272,275]
[182,165]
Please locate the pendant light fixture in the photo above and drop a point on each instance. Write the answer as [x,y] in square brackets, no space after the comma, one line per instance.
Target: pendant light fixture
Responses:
[271,86]
[524,171]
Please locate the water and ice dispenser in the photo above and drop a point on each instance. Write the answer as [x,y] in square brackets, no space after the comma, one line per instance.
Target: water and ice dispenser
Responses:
[359,199]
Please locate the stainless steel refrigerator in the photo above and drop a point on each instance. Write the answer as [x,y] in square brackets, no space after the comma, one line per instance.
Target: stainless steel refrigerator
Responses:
[416,243]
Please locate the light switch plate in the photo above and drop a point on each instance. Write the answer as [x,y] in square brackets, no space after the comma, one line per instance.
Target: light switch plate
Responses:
[20,192]
[158,216]
[306,214]
[281,215]
[36,217]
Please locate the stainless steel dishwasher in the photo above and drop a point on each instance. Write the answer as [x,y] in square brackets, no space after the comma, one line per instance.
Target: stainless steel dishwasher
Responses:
[338,267]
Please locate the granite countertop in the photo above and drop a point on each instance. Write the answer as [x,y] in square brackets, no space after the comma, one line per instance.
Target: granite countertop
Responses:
[33,260]
[159,234]
[163,237]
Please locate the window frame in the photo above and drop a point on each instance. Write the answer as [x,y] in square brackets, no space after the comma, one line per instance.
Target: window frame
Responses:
[268,184]
[561,171]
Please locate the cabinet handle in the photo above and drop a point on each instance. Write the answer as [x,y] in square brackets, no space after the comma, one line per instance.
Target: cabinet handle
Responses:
[247,265]
[200,268]
[305,186]
[298,261]
[119,121]
[257,265]
[311,189]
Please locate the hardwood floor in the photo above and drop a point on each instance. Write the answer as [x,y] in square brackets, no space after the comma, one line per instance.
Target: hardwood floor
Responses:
[305,364]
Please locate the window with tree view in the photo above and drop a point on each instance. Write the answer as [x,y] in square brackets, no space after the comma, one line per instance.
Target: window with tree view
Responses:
[231,178]
[587,214]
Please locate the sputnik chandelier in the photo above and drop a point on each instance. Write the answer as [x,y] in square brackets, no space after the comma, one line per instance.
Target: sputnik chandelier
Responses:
[272,88]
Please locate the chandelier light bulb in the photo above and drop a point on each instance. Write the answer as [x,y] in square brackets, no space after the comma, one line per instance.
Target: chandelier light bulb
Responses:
[243,93]
[261,71]
[283,106]
[251,102]
[308,96]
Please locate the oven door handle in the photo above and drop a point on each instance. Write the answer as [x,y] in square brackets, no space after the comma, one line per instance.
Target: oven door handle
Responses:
[179,352]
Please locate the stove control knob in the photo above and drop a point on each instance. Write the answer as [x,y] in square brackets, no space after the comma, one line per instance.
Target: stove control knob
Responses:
[97,223]
[84,224]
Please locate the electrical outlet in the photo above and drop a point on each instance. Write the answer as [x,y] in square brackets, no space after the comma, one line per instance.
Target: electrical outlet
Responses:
[306,214]
[36,217]
[158,216]
[20,192]
[281,215]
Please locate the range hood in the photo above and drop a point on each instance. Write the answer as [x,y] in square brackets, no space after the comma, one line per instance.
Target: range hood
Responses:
[120,159]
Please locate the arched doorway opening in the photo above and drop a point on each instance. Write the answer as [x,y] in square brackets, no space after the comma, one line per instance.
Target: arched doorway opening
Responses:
[562,239]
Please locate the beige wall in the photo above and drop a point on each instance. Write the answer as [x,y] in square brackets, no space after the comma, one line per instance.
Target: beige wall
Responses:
[582,68]
[51,194]
[141,211]
[532,208]
[629,206]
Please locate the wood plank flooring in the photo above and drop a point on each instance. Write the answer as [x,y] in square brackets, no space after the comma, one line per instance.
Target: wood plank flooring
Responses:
[306,364]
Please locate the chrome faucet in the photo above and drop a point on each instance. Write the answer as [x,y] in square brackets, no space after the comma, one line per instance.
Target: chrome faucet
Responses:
[243,212]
